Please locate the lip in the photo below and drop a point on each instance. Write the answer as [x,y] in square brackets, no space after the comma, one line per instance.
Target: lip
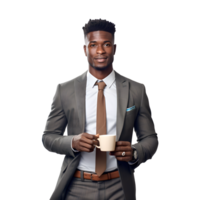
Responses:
[101,59]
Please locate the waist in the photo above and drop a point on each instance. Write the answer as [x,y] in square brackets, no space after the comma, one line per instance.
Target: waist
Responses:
[91,176]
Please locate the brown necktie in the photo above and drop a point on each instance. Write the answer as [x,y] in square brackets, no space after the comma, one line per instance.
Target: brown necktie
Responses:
[101,128]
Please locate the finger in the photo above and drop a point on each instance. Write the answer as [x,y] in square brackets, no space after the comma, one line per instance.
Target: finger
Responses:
[85,145]
[125,158]
[123,148]
[86,141]
[119,154]
[96,136]
[88,136]
[123,143]
[95,141]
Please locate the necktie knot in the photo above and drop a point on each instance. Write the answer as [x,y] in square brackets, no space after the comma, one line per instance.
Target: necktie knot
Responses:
[101,85]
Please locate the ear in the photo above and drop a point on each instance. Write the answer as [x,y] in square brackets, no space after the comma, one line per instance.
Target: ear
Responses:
[116,49]
[83,47]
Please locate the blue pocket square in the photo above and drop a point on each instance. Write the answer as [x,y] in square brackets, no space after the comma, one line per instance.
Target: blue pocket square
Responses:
[131,108]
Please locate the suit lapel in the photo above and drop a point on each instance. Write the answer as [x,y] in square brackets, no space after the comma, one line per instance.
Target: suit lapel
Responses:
[122,100]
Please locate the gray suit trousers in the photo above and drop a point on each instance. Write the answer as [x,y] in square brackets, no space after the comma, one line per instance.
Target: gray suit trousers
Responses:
[98,190]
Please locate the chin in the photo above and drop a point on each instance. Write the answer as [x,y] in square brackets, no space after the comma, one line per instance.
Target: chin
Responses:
[100,68]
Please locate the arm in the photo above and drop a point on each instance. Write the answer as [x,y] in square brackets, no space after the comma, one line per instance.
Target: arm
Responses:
[72,148]
[53,139]
[146,135]
[147,139]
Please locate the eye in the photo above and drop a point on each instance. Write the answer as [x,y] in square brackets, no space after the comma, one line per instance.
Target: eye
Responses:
[92,45]
[107,45]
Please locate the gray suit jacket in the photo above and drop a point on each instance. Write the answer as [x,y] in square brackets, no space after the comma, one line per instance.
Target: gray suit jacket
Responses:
[68,110]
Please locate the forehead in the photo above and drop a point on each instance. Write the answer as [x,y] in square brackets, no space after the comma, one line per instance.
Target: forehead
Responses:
[99,36]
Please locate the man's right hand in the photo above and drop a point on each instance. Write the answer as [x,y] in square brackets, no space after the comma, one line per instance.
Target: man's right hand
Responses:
[85,142]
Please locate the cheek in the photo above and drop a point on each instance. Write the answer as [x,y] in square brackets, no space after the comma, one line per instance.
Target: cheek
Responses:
[91,54]
[111,57]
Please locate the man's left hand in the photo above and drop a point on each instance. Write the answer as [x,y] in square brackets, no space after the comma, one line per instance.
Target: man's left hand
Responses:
[123,146]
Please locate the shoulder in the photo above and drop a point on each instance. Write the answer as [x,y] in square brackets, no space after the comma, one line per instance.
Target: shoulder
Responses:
[133,85]
[70,82]
[66,88]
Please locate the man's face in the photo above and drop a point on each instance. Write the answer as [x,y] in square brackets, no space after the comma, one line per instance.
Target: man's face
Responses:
[100,49]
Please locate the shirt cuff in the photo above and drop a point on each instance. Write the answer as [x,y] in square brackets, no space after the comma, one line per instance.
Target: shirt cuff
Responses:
[132,163]
[135,160]
[72,148]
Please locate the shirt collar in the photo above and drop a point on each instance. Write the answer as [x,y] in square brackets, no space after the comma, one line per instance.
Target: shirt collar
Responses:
[108,80]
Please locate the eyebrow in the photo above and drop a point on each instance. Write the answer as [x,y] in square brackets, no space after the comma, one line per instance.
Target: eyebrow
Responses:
[96,41]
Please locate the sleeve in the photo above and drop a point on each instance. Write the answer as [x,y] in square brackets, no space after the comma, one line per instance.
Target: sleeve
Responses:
[53,139]
[135,161]
[72,148]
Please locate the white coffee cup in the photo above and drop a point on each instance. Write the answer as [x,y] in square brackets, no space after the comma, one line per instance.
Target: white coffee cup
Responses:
[107,142]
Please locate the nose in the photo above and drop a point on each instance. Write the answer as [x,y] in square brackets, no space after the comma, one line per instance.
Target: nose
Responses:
[100,49]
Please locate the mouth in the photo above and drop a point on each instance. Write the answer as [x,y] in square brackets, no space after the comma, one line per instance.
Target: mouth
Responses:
[100,59]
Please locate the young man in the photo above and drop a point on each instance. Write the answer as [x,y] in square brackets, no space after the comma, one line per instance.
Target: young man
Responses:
[100,101]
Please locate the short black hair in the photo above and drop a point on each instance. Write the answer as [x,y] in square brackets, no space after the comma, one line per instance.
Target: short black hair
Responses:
[99,25]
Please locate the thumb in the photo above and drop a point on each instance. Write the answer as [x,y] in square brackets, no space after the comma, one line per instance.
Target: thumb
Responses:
[95,136]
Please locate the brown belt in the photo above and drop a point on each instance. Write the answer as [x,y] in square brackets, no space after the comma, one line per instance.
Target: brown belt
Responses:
[94,177]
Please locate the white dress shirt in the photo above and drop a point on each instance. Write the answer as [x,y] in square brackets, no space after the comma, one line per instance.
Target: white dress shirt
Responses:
[87,160]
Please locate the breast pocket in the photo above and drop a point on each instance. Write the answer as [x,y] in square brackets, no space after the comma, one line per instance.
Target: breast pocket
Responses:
[129,122]
[131,115]
[130,110]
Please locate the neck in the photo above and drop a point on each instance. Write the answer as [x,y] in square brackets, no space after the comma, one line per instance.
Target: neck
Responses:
[100,74]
